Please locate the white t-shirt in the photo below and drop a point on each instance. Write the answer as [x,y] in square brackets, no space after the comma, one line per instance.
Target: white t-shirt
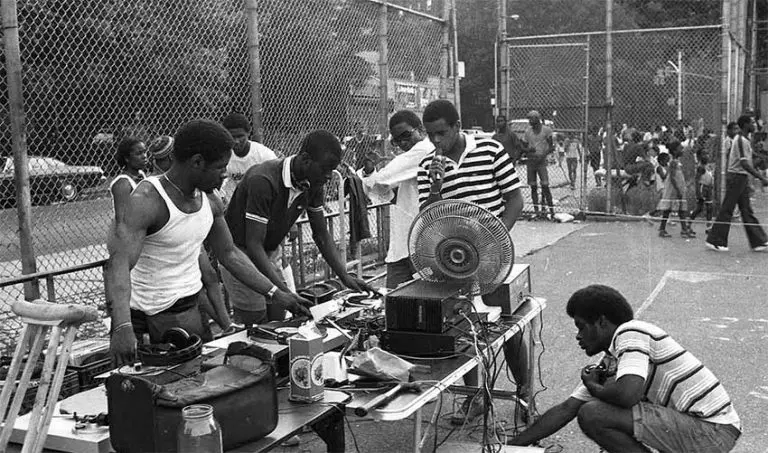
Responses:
[401,172]
[257,153]
[378,194]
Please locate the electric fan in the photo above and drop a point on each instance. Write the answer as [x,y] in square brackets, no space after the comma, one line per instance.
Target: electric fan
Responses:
[461,242]
[460,250]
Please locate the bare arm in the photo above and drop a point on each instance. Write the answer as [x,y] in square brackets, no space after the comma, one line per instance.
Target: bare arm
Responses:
[125,242]
[215,306]
[327,248]
[623,392]
[121,192]
[551,422]
[236,262]
[255,234]
[513,207]
[242,268]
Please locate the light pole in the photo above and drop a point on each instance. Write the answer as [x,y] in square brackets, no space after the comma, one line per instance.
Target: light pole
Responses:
[679,70]
[501,38]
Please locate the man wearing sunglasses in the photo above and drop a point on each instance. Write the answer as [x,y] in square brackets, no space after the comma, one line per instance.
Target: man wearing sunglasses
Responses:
[400,174]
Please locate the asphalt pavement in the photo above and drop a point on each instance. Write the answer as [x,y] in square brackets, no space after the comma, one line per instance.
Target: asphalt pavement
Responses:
[713,303]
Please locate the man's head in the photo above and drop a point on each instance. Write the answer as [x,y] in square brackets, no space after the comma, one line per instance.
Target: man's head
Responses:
[501,123]
[160,152]
[746,124]
[675,149]
[319,155]
[131,153]
[240,128]
[534,118]
[406,129]
[732,129]
[441,121]
[597,311]
[203,148]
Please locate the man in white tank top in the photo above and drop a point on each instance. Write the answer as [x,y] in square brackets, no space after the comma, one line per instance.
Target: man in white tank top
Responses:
[153,276]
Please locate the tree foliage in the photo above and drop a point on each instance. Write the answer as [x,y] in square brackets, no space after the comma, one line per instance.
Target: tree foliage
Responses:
[478,25]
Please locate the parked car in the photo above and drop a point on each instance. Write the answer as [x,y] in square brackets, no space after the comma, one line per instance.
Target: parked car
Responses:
[477,132]
[50,180]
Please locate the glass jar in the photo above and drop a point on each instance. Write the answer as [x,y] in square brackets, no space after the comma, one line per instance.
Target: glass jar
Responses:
[199,432]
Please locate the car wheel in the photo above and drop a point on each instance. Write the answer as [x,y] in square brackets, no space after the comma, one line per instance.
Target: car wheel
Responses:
[68,191]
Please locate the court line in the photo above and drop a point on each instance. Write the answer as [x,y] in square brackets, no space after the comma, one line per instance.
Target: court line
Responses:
[686,276]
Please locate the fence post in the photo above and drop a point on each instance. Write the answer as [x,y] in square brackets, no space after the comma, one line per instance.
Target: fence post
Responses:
[254,62]
[585,135]
[445,51]
[455,54]
[383,75]
[609,145]
[725,89]
[501,100]
[19,143]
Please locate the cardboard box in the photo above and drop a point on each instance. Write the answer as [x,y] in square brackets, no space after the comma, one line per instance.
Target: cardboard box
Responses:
[306,371]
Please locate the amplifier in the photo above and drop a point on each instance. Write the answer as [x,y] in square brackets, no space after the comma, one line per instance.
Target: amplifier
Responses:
[420,344]
[513,291]
[420,306]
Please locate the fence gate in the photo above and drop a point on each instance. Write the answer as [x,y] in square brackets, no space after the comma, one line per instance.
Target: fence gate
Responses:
[554,80]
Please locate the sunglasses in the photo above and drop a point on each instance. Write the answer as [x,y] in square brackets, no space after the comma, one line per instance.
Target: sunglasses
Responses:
[405,136]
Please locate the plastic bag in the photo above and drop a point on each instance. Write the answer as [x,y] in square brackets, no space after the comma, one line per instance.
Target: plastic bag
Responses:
[379,364]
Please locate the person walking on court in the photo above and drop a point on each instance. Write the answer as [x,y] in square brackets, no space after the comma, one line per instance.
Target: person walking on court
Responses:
[674,198]
[737,193]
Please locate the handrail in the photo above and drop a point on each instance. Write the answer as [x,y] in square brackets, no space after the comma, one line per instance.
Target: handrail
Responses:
[54,273]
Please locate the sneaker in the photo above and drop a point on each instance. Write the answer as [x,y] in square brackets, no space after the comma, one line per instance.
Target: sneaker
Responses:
[760,248]
[470,409]
[291,442]
[664,234]
[688,234]
[716,248]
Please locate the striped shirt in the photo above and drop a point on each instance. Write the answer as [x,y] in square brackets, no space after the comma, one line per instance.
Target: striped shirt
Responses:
[674,378]
[483,175]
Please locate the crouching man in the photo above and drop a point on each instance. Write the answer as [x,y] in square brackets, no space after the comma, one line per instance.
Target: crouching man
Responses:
[647,391]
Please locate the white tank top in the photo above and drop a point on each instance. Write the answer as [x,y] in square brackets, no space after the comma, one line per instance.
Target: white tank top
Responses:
[168,269]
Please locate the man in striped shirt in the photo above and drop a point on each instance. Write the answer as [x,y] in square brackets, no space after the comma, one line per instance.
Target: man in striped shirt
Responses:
[480,171]
[647,391]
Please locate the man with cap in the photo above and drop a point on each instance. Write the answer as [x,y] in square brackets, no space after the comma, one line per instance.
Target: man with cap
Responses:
[538,138]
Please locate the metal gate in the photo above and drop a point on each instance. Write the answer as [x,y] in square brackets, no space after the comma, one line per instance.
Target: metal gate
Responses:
[553,79]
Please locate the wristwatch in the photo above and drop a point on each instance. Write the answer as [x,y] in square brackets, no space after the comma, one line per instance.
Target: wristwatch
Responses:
[272,291]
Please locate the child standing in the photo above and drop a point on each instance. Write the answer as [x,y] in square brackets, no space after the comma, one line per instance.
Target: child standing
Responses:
[705,187]
[673,198]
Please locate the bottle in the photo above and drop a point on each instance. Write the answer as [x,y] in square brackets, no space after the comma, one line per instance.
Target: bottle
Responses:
[199,432]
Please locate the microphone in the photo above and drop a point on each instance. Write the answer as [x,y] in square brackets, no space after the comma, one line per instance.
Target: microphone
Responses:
[439,156]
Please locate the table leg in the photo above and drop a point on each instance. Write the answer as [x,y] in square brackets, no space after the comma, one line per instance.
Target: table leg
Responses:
[331,430]
[417,430]
[533,328]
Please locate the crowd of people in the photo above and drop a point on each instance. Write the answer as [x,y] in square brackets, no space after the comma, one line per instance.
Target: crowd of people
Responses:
[212,190]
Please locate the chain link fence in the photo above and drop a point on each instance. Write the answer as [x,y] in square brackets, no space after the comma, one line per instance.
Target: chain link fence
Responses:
[97,72]
[663,80]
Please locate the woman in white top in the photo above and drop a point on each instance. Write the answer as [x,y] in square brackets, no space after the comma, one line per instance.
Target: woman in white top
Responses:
[131,156]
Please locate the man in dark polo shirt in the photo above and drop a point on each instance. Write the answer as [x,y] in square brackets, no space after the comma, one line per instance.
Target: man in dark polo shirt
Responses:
[267,202]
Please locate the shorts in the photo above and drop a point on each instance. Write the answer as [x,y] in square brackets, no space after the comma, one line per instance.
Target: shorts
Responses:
[668,430]
[540,169]
[399,272]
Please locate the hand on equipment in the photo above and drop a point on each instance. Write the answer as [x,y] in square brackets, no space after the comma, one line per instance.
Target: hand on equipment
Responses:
[593,374]
[293,303]
[357,284]
[122,347]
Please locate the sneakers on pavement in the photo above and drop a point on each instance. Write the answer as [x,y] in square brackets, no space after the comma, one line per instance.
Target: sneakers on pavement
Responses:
[716,248]
[761,248]
[664,234]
